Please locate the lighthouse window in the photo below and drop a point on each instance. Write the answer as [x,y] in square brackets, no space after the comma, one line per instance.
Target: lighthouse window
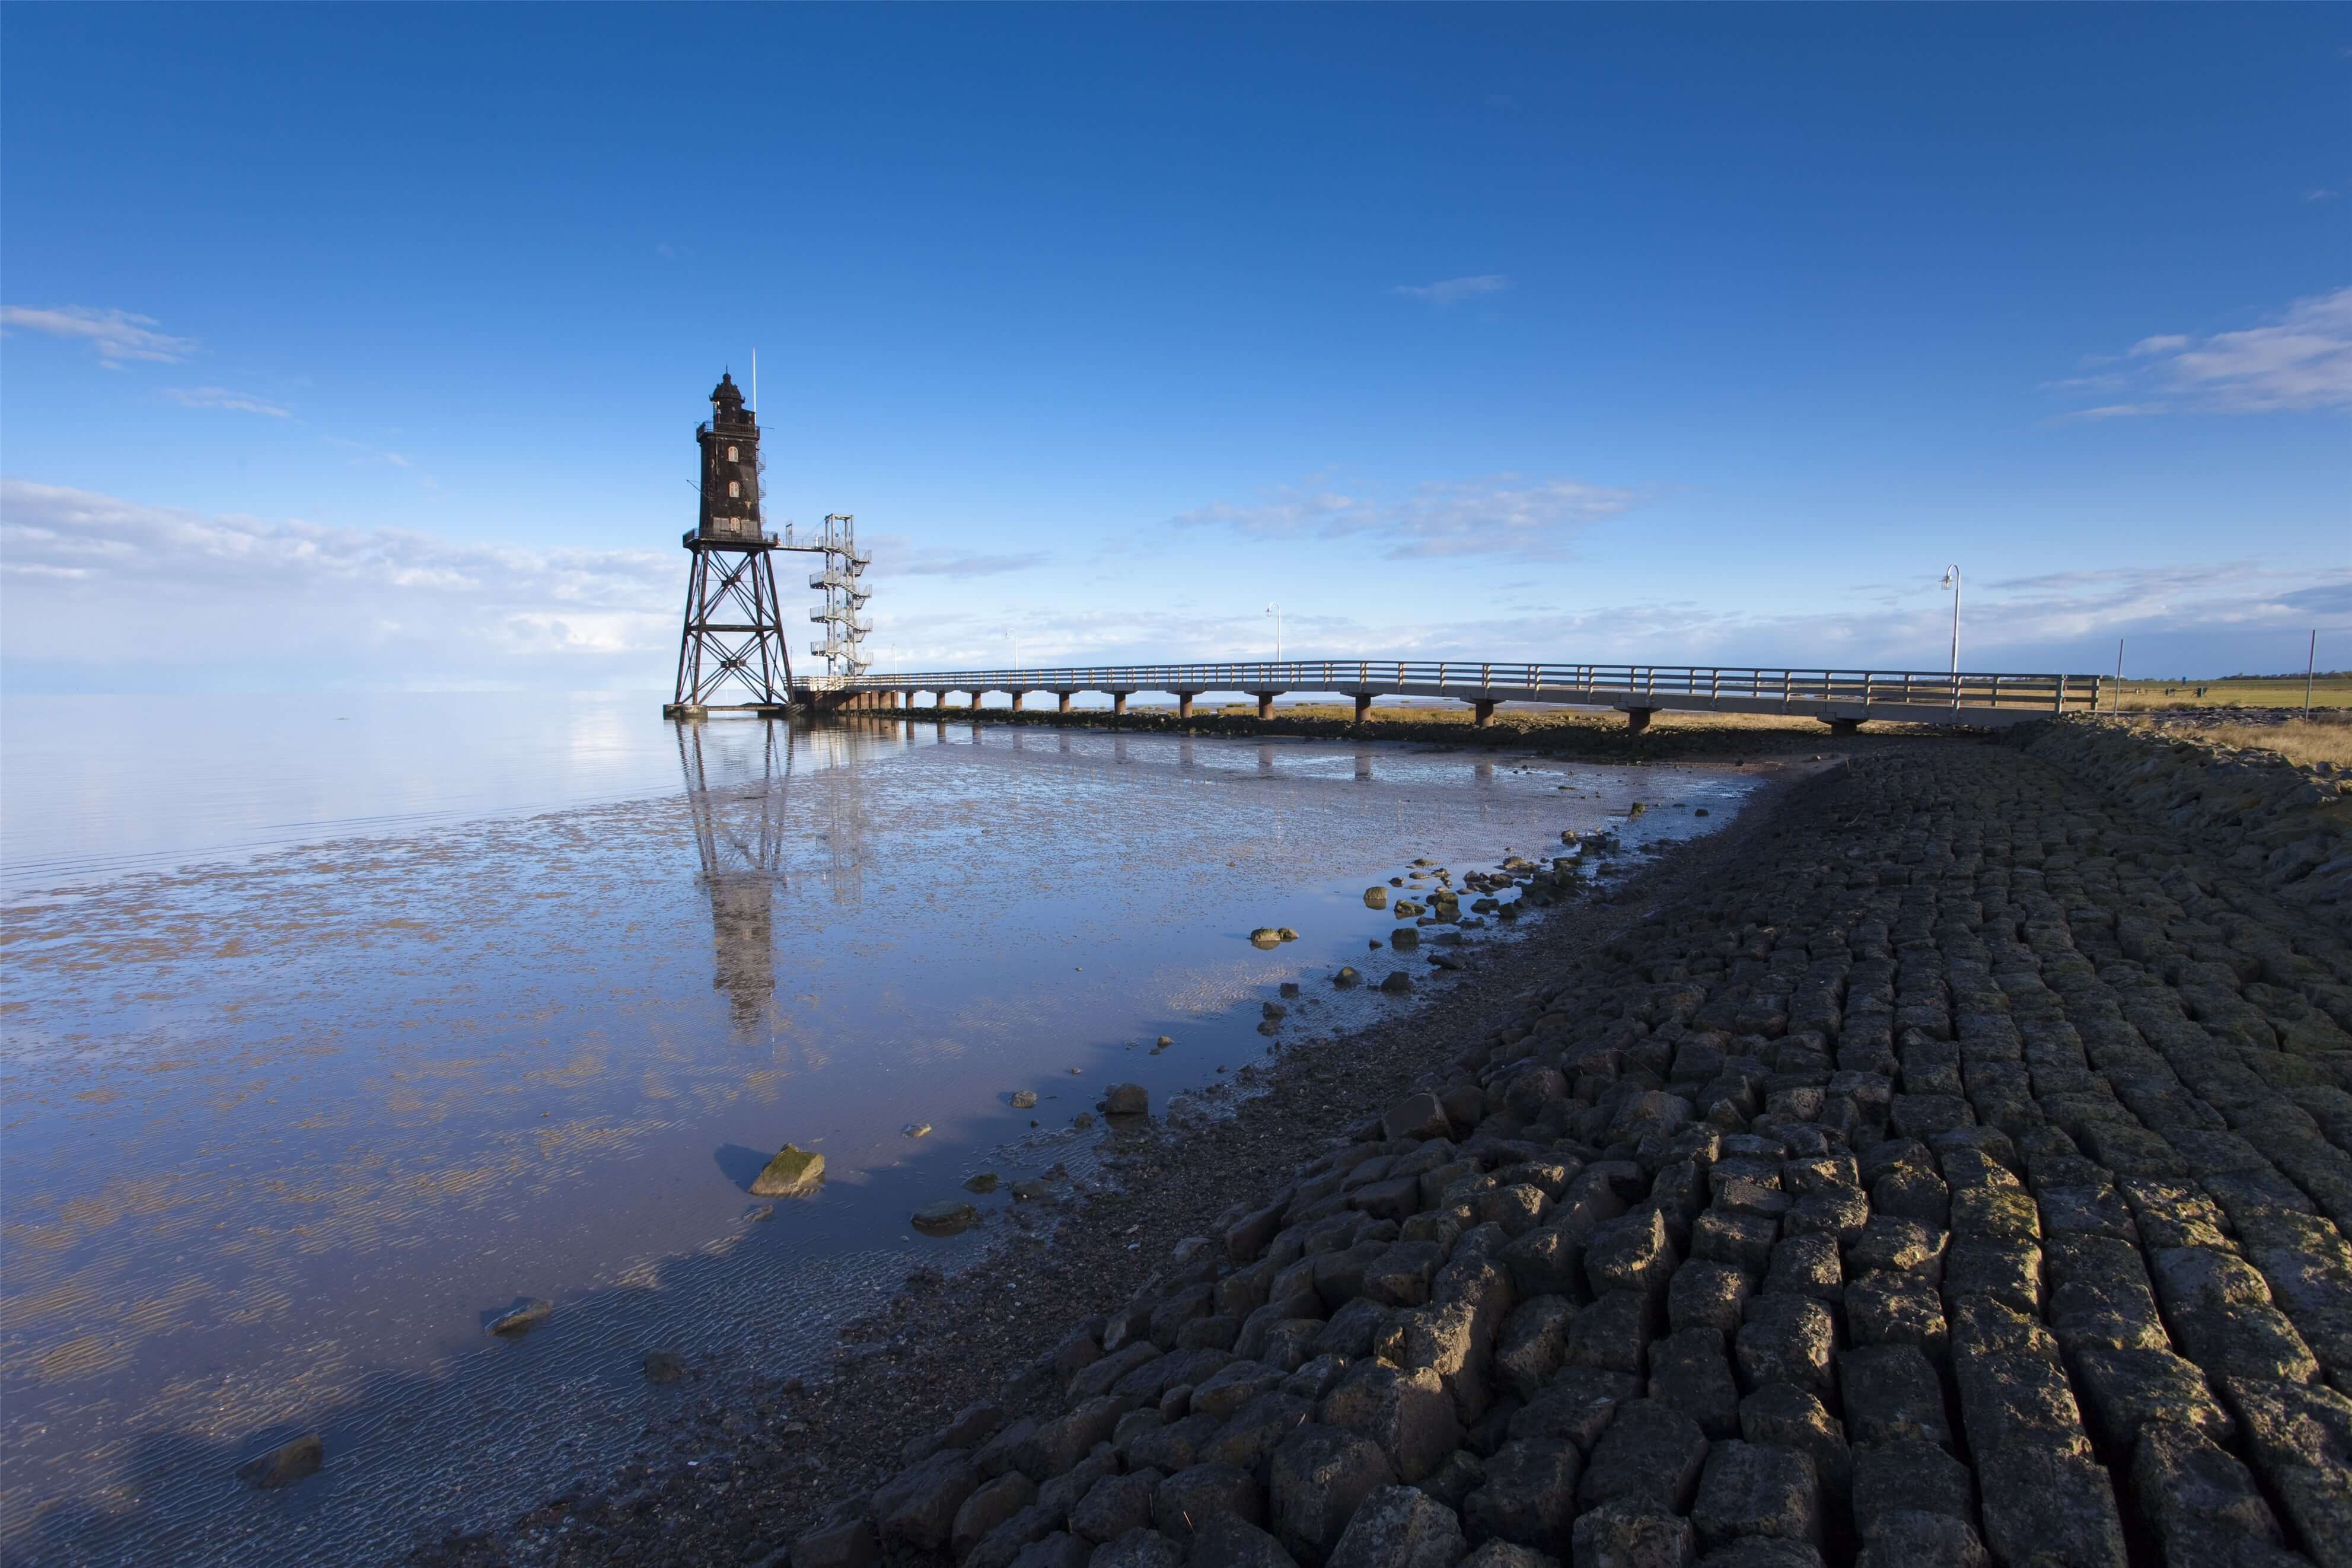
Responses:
[733,489]
[730,456]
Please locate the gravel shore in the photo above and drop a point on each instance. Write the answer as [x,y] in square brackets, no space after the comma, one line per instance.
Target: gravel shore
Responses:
[1943,1164]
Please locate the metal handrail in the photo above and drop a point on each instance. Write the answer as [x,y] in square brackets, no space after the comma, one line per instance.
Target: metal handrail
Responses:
[1622,684]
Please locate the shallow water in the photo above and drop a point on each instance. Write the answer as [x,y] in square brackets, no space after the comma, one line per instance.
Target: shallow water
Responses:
[285,1126]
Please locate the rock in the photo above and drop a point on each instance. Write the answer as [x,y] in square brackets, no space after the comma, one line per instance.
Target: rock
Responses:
[1376,897]
[1287,934]
[1266,936]
[793,1172]
[1113,1506]
[1346,975]
[1191,1498]
[284,1465]
[1037,1189]
[1508,1554]
[1127,1100]
[1647,1451]
[1750,1488]
[1023,1098]
[1400,1527]
[989,1506]
[1529,1495]
[1408,1414]
[1923,1541]
[2202,1502]
[520,1318]
[848,1545]
[1398,980]
[1226,1541]
[1404,938]
[916,1509]
[1633,1533]
[945,1217]
[1417,1117]
[982,1182]
[2301,1440]
[1318,1477]
[1059,1549]
[917,1130]
[1137,1548]
[664,1366]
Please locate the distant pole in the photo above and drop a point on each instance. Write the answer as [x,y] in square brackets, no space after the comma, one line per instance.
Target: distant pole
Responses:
[2116,706]
[2310,663]
[1952,581]
[1276,611]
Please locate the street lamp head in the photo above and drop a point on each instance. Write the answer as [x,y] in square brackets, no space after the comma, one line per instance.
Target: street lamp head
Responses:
[1951,576]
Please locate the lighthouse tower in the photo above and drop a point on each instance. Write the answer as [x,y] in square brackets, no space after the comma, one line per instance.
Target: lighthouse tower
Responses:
[731,653]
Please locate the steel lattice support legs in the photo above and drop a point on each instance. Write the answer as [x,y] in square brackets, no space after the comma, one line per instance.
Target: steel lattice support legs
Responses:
[731,645]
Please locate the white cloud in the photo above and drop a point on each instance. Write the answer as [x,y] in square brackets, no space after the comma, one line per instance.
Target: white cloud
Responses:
[2302,361]
[116,336]
[363,454]
[222,397]
[370,605]
[2321,194]
[2214,617]
[2114,411]
[896,555]
[1502,516]
[1453,291]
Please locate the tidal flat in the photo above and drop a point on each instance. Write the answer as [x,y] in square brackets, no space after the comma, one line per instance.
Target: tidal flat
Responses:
[288,1128]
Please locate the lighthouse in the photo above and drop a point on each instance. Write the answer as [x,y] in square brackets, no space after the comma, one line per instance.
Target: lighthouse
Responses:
[730,651]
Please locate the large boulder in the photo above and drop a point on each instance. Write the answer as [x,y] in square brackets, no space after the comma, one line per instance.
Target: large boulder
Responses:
[1225,1542]
[1319,1476]
[917,1508]
[1407,1413]
[1400,1527]
[1529,1495]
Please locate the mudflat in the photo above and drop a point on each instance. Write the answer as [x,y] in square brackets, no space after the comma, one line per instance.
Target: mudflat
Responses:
[1947,1163]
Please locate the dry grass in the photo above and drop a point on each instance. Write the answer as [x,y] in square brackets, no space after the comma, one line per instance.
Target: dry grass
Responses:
[2303,743]
[2331,689]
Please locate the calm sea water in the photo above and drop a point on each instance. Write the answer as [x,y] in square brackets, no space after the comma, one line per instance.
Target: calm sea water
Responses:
[331,1029]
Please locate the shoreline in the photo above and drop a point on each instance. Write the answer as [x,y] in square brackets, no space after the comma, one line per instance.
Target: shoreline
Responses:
[788,1449]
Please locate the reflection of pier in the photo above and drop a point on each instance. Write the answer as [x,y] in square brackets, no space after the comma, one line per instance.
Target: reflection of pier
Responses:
[735,777]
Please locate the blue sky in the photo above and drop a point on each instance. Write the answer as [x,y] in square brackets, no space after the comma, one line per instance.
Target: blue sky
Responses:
[356,347]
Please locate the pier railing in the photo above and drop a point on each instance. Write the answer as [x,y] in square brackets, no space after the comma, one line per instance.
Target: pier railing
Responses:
[1603,685]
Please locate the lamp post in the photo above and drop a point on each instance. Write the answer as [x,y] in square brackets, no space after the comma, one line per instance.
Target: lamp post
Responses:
[1952,581]
[1276,611]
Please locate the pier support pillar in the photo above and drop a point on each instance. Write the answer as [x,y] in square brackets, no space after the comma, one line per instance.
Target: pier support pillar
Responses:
[1843,726]
[1265,704]
[1184,703]
[1061,702]
[1482,710]
[1637,720]
[1017,699]
[1363,706]
[1118,704]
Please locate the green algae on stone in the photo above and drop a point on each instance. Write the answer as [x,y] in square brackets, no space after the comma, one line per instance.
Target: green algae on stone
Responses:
[793,1172]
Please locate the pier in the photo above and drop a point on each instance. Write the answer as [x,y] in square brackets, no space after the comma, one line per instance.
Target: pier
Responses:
[1844,699]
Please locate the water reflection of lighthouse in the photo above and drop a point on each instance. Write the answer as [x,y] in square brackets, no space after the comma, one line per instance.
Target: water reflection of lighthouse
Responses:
[735,773]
